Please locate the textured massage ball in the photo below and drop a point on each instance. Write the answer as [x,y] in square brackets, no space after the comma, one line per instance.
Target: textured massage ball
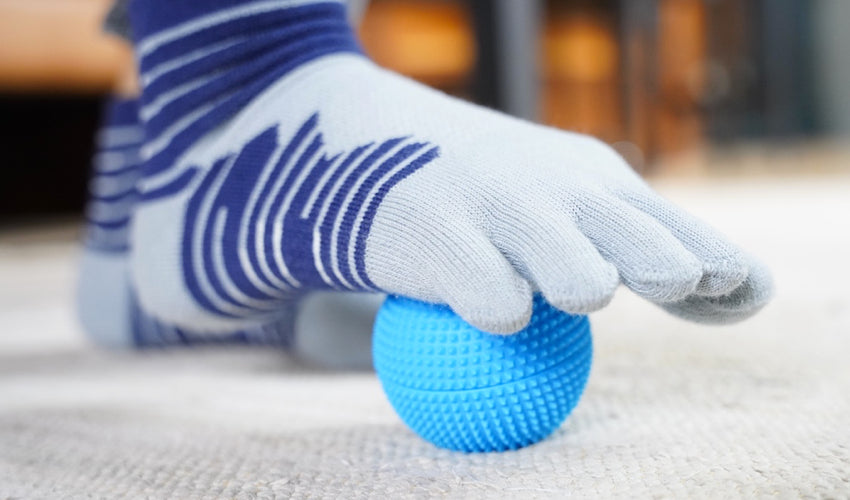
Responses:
[468,390]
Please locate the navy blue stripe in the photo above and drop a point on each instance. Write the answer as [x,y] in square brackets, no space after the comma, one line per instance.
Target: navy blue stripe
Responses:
[339,170]
[109,224]
[299,232]
[159,330]
[238,72]
[172,187]
[126,174]
[120,112]
[303,195]
[350,214]
[224,58]
[228,108]
[131,146]
[366,226]
[188,257]
[337,203]
[268,244]
[208,251]
[324,255]
[241,181]
[181,335]
[302,162]
[364,167]
[136,320]
[238,50]
[225,48]
[239,82]
[134,168]
[230,81]
[147,21]
[306,128]
[111,198]
[299,200]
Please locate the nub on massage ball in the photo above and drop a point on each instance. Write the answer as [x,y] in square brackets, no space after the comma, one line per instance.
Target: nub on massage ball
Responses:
[468,390]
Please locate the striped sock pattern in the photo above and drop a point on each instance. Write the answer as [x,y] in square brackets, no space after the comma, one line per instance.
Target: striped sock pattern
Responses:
[148,332]
[280,160]
[279,214]
[202,62]
[113,195]
[282,217]
[116,169]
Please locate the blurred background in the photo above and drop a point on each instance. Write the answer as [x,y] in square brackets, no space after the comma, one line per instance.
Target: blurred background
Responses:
[737,110]
[679,87]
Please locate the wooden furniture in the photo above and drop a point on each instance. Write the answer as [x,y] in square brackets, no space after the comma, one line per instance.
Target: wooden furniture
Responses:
[58,45]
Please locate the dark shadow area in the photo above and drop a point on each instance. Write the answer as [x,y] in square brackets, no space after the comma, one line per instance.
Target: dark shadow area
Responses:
[47,143]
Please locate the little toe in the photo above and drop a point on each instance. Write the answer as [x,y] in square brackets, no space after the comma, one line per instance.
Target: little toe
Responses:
[721,277]
[743,302]
[651,261]
[723,264]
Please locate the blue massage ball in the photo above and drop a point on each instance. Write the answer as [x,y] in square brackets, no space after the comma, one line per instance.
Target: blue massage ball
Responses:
[468,390]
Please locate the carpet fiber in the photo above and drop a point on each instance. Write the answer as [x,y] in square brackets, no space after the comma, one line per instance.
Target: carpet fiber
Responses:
[672,410]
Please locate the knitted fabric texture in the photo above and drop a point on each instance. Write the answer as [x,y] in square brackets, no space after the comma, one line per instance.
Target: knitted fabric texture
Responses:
[107,305]
[279,160]
[672,409]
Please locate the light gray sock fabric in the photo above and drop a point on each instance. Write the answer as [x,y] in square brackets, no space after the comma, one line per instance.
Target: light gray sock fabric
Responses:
[104,299]
[507,208]
[106,305]
[740,304]
[271,175]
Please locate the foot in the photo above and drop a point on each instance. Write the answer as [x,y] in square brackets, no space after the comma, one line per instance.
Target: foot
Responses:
[106,303]
[281,160]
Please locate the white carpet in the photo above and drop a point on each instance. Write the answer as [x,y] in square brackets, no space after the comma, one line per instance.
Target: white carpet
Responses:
[672,410]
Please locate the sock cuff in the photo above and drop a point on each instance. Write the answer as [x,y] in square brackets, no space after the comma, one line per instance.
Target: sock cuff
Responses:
[120,111]
[158,23]
[116,168]
[120,128]
[201,61]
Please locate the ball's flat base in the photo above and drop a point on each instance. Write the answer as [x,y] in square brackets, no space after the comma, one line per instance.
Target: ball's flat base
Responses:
[467,390]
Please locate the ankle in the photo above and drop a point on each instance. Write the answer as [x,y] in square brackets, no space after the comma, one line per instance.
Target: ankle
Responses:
[203,61]
[115,171]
